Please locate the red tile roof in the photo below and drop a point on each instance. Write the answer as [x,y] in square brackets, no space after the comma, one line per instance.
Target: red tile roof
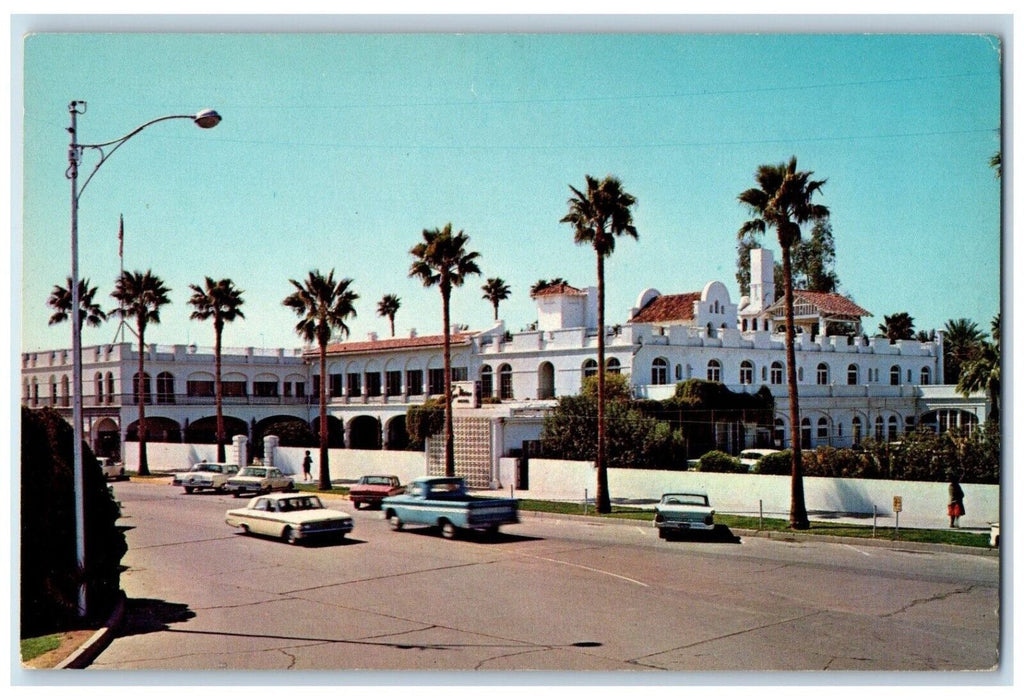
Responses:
[422,341]
[826,302]
[560,288]
[667,307]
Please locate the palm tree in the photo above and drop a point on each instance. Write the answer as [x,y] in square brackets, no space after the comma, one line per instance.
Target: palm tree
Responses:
[140,296]
[219,301]
[899,326]
[443,261]
[387,307]
[496,291]
[598,216]
[982,372]
[962,341]
[782,201]
[996,163]
[323,305]
[90,313]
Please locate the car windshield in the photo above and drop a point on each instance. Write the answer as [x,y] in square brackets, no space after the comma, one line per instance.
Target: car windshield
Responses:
[206,467]
[300,503]
[377,480]
[250,471]
[685,499]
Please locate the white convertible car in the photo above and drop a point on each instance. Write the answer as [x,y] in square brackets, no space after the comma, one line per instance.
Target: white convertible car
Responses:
[253,480]
[678,512]
[290,517]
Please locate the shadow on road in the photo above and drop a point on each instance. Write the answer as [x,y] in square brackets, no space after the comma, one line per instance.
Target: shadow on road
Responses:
[470,535]
[721,533]
[145,615]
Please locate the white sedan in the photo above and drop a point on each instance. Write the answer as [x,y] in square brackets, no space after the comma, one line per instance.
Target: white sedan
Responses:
[678,512]
[290,517]
[253,480]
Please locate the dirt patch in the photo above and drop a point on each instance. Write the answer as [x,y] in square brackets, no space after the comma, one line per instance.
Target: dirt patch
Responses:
[69,643]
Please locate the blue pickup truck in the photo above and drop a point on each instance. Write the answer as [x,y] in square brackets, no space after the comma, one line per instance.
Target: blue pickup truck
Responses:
[443,502]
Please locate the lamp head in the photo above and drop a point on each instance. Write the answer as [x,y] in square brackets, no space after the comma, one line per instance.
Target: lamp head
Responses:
[207,119]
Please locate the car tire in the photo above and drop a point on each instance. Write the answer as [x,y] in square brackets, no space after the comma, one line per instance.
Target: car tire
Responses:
[290,488]
[245,529]
[395,522]
[289,536]
[238,494]
[189,489]
[448,530]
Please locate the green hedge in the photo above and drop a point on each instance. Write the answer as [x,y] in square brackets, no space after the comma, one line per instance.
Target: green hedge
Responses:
[716,461]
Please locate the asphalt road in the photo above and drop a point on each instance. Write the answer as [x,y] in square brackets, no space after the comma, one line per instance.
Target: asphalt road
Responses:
[547,594]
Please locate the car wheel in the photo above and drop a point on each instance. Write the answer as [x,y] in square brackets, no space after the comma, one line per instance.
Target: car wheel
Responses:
[245,529]
[449,531]
[395,522]
[662,534]
[491,531]
[289,536]
[358,505]
[189,489]
[290,488]
[238,494]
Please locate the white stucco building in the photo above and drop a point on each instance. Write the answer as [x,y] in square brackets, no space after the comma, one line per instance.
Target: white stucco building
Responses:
[850,386]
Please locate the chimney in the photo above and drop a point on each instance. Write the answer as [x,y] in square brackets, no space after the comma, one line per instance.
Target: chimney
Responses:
[412,332]
[373,337]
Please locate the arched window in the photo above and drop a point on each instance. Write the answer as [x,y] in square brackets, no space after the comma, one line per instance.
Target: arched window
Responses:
[823,437]
[589,368]
[852,375]
[147,394]
[714,371]
[894,375]
[821,376]
[98,382]
[746,372]
[35,392]
[926,375]
[879,426]
[613,365]
[546,381]
[110,387]
[858,430]
[776,373]
[805,434]
[165,388]
[799,374]
[659,371]
[65,391]
[505,381]
[893,428]
[486,381]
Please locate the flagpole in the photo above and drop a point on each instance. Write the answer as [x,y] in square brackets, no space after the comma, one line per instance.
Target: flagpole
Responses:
[120,304]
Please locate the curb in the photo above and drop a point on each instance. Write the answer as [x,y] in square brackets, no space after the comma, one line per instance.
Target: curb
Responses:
[85,654]
[794,536]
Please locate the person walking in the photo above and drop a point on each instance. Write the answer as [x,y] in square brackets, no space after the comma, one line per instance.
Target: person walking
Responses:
[956,502]
[307,462]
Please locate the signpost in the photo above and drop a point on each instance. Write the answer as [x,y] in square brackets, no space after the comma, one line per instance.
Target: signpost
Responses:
[897,506]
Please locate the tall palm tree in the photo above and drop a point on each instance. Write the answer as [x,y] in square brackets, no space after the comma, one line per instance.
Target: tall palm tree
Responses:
[961,342]
[387,307]
[140,296]
[597,217]
[323,305]
[899,326]
[443,261]
[90,313]
[496,291]
[219,301]
[982,372]
[782,200]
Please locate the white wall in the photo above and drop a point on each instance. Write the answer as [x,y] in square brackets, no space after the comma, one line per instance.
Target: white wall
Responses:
[924,503]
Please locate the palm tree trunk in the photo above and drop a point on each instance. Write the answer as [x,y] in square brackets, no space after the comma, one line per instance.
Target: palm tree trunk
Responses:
[797,508]
[495,305]
[602,498]
[325,470]
[218,393]
[141,387]
[392,319]
[449,431]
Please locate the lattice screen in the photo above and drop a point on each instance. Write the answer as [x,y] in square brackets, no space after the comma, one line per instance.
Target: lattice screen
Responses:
[472,452]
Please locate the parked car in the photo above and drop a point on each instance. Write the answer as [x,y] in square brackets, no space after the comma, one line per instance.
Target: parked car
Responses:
[677,512]
[444,502]
[752,458]
[253,480]
[205,475]
[111,469]
[293,518]
[372,489]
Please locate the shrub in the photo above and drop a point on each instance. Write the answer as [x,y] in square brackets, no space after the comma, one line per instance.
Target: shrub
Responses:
[50,576]
[423,421]
[776,463]
[716,461]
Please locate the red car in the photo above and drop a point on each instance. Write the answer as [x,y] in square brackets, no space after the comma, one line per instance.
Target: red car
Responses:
[372,489]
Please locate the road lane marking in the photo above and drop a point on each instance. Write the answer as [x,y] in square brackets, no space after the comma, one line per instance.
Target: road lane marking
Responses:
[859,551]
[589,568]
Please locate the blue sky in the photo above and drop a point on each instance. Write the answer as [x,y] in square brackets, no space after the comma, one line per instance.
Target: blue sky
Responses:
[336,151]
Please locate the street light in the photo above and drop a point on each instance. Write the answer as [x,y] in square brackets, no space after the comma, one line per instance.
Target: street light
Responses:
[206,119]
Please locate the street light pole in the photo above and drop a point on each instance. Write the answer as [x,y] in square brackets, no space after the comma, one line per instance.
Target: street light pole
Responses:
[206,119]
